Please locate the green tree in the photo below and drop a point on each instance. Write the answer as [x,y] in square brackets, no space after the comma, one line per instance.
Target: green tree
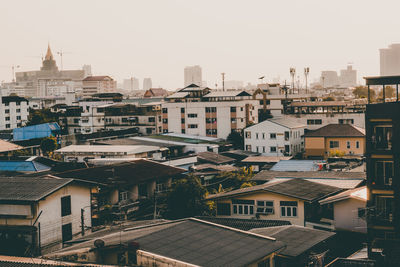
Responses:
[389,92]
[41,116]
[186,199]
[48,145]
[362,92]
[236,139]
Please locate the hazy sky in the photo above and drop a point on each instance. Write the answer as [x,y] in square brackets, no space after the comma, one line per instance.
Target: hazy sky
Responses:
[157,39]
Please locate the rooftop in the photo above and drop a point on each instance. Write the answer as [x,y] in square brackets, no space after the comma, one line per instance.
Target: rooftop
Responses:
[244,224]
[296,188]
[129,149]
[337,130]
[318,104]
[232,93]
[359,193]
[23,166]
[262,159]
[297,165]
[7,146]
[97,78]
[207,244]
[214,158]
[298,239]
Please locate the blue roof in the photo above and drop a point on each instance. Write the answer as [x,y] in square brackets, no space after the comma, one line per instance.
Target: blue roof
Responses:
[36,131]
[23,166]
[297,165]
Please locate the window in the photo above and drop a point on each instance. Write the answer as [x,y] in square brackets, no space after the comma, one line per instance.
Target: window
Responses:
[211,131]
[263,135]
[333,144]
[164,110]
[123,120]
[233,109]
[192,115]
[272,149]
[152,119]
[182,110]
[18,110]
[65,206]
[233,120]
[263,149]
[361,213]
[165,120]
[265,207]
[288,208]
[76,120]
[192,126]
[18,103]
[182,120]
[384,172]
[243,207]
[248,135]
[346,121]
[384,208]
[257,137]
[66,232]
[382,137]
[248,147]
[7,104]
[348,144]
[211,120]
[7,118]
[272,136]
[223,209]
[123,196]
[161,186]
[7,111]
[287,149]
[211,109]
[312,122]
[357,144]
[8,126]
[286,136]
[142,190]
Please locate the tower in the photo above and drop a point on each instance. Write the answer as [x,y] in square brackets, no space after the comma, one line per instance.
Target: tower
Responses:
[49,64]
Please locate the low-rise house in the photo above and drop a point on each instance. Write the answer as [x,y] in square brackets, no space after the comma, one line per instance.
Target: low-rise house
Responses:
[36,131]
[156,92]
[262,162]
[36,212]
[82,153]
[294,200]
[335,140]
[275,137]
[303,245]
[214,158]
[348,210]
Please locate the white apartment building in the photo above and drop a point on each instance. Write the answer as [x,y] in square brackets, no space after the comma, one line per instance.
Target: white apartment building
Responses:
[275,137]
[14,111]
[98,84]
[192,75]
[197,111]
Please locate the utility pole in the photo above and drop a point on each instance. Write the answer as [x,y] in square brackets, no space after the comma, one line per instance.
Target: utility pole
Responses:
[292,74]
[223,81]
[306,72]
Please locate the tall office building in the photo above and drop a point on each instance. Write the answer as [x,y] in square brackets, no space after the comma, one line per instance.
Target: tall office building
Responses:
[131,84]
[192,75]
[348,77]
[147,84]
[87,70]
[390,60]
[382,123]
[329,78]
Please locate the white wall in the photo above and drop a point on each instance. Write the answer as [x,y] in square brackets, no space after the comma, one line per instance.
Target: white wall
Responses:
[346,215]
[359,119]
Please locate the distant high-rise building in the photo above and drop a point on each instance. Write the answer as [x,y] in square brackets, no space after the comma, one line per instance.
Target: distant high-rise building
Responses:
[87,70]
[390,60]
[329,78]
[234,85]
[147,84]
[348,77]
[192,75]
[131,84]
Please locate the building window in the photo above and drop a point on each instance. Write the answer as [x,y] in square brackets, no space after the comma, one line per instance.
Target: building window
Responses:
[18,110]
[211,131]
[384,208]
[183,120]
[6,104]
[142,189]
[7,118]
[165,110]
[211,109]
[161,186]
[65,206]
[357,144]
[348,144]
[224,209]
[165,120]
[256,135]
[211,120]
[8,126]
[243,207]
[288,208]
[382,137]
[248,147]
[384,172]
[265,207]
[346,121]
[192,126]
[314,122]
[286,136]
[66,232]
[7,111]
[233,120]
[183,131]
[182,110]
[123,196]
[272,149]
[233,109]
[272,136]
[263,135]
[333,144]
[263,149]
[248,135]
[152,119]
[192,115]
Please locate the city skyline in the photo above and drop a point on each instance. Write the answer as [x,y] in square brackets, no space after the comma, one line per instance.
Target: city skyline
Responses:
[246,42]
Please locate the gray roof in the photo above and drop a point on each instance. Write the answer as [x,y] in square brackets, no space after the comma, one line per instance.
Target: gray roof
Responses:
[286,122]
[207,244]
[214,158]
[29,188]
[298,239]
[244,224]
[296,188]
[269,175]
[296,165]
[232,93]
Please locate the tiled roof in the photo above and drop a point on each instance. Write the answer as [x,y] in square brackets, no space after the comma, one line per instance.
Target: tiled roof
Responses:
[359,193]
[214,157]
[206,244]
[264,159]
[133,172]
[97,78]
[336,130]
[29,188]
[269,175]
[7,146]
[244,224]
[296,188]
[298,239]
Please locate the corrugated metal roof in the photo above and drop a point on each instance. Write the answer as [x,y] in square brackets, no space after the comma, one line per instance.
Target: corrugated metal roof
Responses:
[296,165]
[23,166]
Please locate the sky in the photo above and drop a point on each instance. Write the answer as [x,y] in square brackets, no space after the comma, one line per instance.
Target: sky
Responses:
[158,38]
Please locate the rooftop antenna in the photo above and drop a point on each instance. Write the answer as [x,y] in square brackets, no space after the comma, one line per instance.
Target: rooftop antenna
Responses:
[223,81]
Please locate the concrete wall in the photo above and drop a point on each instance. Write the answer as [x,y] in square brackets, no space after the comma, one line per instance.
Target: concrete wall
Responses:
[359,119]
[346,215]
[343,145]
[266,196]
[145,258]
[314,146]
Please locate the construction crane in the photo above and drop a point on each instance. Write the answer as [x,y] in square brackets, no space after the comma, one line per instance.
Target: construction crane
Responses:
[61,53]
